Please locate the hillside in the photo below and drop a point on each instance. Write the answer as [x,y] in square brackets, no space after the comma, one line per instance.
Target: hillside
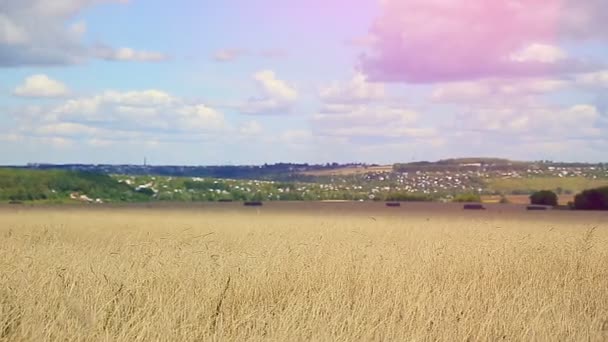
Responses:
[441,180]
[64,186]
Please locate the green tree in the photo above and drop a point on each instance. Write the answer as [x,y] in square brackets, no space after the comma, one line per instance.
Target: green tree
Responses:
[544,197]
[258,197]
[33,185]
[593,199]
[146,191]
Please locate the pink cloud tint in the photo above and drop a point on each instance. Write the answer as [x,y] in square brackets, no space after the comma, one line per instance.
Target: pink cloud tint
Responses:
[446,40]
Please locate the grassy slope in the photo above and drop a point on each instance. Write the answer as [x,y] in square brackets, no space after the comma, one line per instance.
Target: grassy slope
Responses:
[574,184]
[41,184]
[55,186]
[186,275]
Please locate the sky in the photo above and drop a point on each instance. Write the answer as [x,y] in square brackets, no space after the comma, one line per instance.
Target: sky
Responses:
[202,82]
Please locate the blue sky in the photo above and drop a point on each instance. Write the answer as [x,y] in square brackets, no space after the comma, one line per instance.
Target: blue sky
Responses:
[249,82]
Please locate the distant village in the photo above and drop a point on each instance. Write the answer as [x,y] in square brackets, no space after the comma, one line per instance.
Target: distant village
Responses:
[473,181]
[372,185]
[446,180]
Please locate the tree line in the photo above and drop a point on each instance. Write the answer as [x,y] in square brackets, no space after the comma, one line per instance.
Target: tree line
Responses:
[57,185]
[592,199]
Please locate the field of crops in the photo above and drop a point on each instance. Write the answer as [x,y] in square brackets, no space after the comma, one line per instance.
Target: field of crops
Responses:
[572,184]
[290,272]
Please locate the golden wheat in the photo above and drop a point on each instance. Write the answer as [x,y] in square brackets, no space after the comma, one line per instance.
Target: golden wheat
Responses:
[183,275]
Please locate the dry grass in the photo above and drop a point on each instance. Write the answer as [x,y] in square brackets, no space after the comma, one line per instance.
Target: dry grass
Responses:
[129,275]
[574,184]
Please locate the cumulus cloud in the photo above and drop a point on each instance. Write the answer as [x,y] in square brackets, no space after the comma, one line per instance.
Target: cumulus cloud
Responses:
[361,110]
[10,33]
[37,33]
[516,90]
[542,53]
[496,90]
[362,121]
[150,109]
[128,54]
[597,79]
[481,116]
[517,117]
[41,86]
[250,128]
[524,130]
[113,115]
[538,122]
[233,54]
[438,40]
[276,95]
[296,136]
[357,90]
[274,87]
[583,20]
[66,129]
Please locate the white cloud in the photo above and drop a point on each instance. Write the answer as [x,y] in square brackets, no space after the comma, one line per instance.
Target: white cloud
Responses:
[277,96]
[10,137]
[532,86]
[79,29]
[128,54]
[41,86]
[123,116]
[99,142]
[370,121]
[460,91]
[38,33]
[298,142]
[496,90]
[233,54]
[274,87]
[358,109]
[10,33]
[367,115]
[66,129]
[57,142]
[539,121]
[250,128]
[583,19]
[144,98]
[296,137]
[595,80]
[198,118]
[429,41]
[543,53]
[357,90]
[513,116]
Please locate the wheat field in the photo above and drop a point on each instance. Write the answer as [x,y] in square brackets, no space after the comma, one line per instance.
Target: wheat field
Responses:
[236,275]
